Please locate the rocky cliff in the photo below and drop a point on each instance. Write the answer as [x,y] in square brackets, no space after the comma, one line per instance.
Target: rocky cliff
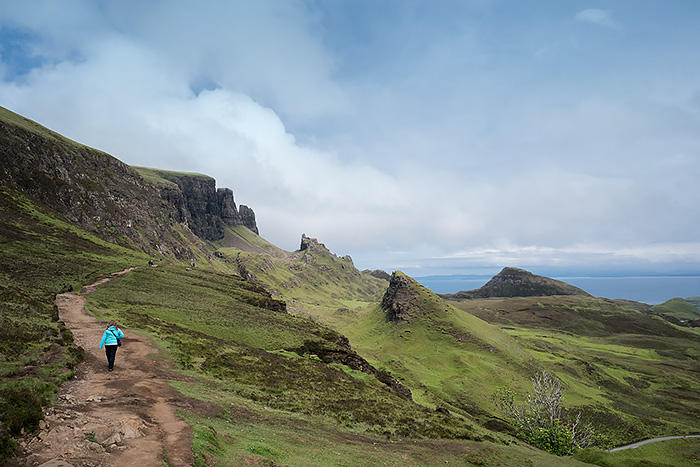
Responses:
[204,208]
[400,301]
[514,282]
[103,195]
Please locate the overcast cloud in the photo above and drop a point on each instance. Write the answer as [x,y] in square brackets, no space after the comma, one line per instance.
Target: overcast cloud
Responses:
[433,137]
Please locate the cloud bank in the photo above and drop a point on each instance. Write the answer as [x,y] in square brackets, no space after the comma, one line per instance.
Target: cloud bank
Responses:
[413,136]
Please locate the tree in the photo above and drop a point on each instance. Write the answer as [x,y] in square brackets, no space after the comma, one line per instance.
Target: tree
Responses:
[542,420]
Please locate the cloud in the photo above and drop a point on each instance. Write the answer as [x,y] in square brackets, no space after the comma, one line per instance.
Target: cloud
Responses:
[396,147]
[596,16]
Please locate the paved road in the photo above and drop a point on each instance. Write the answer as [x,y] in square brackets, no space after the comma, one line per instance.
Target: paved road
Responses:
[641,443]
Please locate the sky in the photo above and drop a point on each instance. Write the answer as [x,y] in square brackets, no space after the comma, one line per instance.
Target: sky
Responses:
[432,137]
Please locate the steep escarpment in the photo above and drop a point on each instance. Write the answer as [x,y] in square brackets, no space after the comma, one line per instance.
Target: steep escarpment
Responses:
[199,204]
[113,200]
[88,187]
[514,282]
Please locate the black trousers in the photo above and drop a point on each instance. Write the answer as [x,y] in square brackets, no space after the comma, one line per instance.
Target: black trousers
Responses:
[111,351]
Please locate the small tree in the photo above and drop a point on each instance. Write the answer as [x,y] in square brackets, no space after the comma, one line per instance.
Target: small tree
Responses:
[542,420]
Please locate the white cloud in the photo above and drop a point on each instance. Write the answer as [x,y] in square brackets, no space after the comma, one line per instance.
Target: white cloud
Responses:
[465,146]
[596,16]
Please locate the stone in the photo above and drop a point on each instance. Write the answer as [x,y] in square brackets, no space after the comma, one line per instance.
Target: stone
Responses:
[130,427]
[102,434]
[56,463]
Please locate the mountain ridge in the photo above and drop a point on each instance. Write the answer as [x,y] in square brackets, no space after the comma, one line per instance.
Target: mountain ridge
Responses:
[113,200]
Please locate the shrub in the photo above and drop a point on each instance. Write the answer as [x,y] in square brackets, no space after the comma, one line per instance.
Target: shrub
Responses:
[20,404]
[542,421]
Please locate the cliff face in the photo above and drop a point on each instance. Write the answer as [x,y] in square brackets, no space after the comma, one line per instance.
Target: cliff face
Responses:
[105,196]
[206,209]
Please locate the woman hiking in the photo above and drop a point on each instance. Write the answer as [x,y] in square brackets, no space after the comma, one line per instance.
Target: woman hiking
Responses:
[111,340]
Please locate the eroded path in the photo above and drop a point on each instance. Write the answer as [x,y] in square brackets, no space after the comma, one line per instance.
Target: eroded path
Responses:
[123,418]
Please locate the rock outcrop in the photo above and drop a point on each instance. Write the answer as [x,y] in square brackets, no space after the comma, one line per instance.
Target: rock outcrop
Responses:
[204,208]
[514,282]
[399,299]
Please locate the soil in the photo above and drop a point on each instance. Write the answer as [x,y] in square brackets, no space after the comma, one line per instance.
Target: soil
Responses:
[122,418]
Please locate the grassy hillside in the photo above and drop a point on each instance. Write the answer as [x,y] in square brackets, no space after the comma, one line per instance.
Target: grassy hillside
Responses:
[305,279]
[41,254]
[683,309]
[634,374]
[248,355]
[630,373]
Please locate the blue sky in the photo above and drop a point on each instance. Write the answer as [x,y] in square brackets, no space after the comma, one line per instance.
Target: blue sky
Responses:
[435,137]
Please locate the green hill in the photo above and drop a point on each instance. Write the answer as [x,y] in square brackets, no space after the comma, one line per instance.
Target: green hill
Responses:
[681,309]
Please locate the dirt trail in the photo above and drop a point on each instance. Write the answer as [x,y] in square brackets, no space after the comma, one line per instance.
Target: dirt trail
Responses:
[123,418]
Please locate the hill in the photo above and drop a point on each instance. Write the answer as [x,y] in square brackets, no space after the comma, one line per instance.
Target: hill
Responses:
[514,282]
[298,358]
[679,311]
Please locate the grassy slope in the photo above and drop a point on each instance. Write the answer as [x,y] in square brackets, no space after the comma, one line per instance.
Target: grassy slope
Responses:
[309,279]
[41,254]
[244,358]
[29,125]
[157,176]
[631,373]
[634,374]
[679,308]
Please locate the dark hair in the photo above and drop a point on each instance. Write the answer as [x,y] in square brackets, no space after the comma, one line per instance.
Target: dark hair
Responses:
[112,323]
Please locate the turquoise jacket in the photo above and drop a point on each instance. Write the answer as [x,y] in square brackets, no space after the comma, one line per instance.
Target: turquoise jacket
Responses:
[111,335]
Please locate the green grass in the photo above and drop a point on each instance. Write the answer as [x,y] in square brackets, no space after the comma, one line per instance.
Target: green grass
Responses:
[683,309]
[42,254]
[11,118]
[244,433]
[222,328]
[160,177]
[308,278]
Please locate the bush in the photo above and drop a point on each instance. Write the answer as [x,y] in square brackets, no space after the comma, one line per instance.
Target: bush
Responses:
[542,421]
[7,446]
[20,405]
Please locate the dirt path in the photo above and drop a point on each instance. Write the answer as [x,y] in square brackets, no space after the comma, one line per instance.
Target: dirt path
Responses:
[123,418]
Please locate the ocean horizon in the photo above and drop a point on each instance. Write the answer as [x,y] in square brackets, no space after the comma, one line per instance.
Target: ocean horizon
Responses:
[651,290]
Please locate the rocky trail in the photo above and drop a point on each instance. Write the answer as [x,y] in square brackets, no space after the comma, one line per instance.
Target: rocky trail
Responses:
[123,418]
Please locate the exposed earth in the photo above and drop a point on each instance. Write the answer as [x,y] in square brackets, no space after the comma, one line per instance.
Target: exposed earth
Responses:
[123,418]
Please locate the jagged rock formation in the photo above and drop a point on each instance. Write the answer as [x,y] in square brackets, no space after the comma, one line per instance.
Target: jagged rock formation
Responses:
[311,244]
[398,300]
[514,282]
[204,208]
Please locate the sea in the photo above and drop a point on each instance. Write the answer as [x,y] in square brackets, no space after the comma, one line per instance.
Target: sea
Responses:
[651,290]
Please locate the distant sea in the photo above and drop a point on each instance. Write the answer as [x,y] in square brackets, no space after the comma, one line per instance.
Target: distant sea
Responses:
[647,289]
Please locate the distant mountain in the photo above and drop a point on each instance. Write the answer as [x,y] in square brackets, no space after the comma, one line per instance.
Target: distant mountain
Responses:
[514,282]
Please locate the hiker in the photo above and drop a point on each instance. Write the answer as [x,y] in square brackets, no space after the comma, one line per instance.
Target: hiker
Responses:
[111,339]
